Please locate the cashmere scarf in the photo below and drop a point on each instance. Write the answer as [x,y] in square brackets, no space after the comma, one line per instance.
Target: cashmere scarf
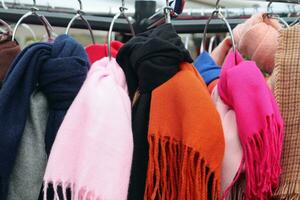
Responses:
[260,126]
[58,70]
[186,141]
[8,52]
[97,131]
[287,92]
[148,60]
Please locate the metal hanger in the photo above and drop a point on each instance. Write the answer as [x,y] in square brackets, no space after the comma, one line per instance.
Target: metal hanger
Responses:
[270,14]
[217,12]
[23,24]
[79,15]
[109,37]
[211,43]
[42,18]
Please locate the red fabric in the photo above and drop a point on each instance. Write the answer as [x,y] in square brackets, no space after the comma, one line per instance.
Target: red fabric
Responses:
[97,51]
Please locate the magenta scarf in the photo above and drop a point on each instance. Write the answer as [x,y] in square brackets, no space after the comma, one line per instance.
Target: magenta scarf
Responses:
[260,126]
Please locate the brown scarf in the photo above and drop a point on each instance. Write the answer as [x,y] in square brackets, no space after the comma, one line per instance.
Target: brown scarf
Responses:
[8,52]
[287,93]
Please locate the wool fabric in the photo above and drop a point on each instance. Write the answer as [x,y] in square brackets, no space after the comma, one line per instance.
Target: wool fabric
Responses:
[207,67]
[58,70]
[99,122]
[287,92]
[257,38]
[148,60]
[185,150]
[260,126]
[8,52]
[31,159]
[96,52]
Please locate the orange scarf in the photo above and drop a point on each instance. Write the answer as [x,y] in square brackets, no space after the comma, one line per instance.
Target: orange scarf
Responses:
[186,142]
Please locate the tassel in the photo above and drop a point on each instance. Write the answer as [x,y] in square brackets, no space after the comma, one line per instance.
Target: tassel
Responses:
[176,171]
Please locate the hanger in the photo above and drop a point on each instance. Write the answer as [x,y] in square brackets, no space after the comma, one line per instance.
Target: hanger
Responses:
[217,12]
[109,37]
[211,43]
[79,15]
[270,14]
[42,18]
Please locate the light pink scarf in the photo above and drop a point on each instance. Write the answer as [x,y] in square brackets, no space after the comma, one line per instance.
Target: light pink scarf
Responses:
[233,149]
[260,126]
[92,152]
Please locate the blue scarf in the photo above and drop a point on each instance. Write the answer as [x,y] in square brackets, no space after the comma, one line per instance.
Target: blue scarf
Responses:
[58,70]
[207,67]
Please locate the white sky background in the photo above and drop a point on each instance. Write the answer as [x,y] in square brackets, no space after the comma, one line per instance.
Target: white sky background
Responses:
[105,6]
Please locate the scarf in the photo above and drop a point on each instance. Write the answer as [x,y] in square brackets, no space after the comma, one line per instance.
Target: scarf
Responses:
[8,52]
[186,142]
[97,131]
[58,70]
[287,92]
[97,51]
[243,88]
[31,160]
[148,60]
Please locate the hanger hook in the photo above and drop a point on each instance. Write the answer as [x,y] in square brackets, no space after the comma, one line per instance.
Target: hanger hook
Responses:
[34,3]
[217,4]
[269,6]
[80,5]
[3,5]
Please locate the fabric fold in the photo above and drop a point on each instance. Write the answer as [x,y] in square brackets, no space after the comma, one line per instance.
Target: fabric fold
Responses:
[243,88]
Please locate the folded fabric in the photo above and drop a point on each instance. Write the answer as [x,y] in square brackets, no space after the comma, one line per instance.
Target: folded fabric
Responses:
[287,92]
[148,60]
[233,149]
[242,87]
[207,67]
[257,38]
[58,70]
[31,160]
[185,150]
[92,152]
[97,51]
[8,52]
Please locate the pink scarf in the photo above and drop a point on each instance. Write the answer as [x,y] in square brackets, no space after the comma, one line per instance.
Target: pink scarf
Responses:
[260,126]
[92,152]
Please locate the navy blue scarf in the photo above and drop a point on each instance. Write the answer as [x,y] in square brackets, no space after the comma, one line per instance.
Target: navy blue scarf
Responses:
[58,70]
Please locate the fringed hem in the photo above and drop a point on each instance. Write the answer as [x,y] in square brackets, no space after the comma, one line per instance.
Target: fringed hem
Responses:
[75,193]
[176,171]
[288,191]
[262,155]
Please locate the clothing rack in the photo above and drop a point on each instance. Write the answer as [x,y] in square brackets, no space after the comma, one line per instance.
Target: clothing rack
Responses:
[190,21]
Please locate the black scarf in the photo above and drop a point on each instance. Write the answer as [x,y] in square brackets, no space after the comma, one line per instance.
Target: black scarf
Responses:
[148,60]
[58,70]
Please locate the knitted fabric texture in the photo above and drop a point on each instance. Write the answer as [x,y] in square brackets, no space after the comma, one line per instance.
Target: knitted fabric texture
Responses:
[233,149]
[58,70]
[31,160]
[148,60]
[243,88]
[185,150]
[96,52]
[258,38]
[92,152]
[287,93]
[207,67]
[8,52]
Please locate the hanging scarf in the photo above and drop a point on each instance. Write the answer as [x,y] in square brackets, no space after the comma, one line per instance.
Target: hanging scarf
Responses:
[287,92]
[243,88]
[148,60]
[97,131]
[59,70]
[8,52]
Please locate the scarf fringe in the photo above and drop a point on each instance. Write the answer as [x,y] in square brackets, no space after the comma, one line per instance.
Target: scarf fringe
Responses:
[76,193]
[176,171]
[262,155]
[288,191]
